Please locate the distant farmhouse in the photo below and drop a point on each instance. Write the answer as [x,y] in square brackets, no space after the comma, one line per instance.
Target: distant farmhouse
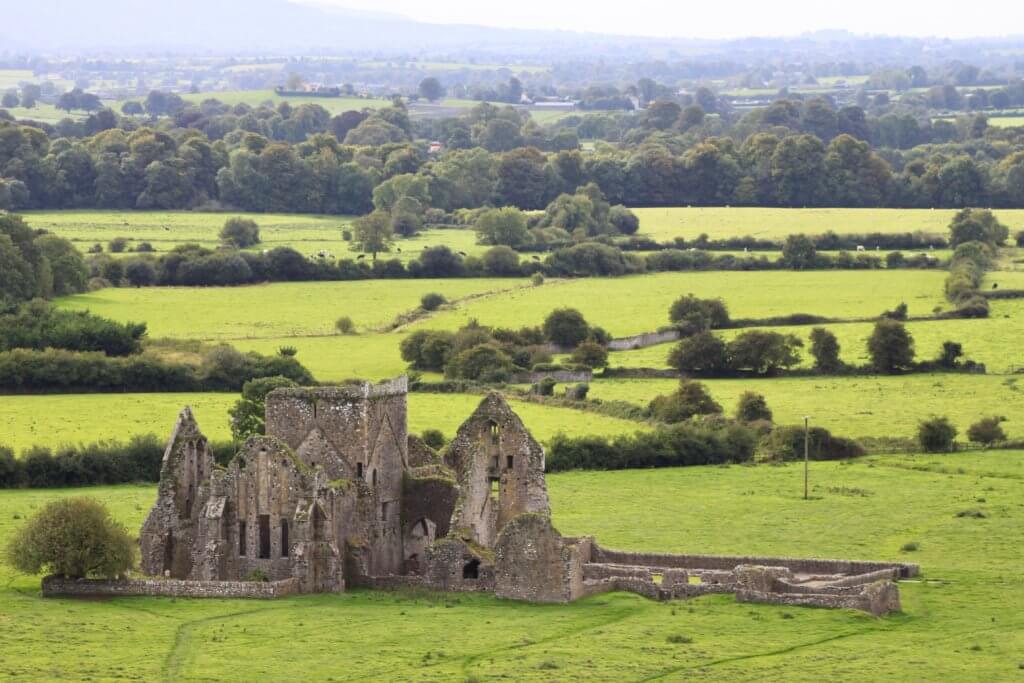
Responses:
[338,494]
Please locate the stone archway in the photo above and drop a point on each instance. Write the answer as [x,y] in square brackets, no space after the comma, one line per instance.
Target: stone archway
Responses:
[417,537]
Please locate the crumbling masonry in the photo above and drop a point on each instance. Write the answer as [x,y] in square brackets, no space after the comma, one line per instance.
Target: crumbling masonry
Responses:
[338,494]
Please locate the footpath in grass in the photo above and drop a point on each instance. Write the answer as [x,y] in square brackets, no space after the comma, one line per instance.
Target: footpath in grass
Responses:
[963,619]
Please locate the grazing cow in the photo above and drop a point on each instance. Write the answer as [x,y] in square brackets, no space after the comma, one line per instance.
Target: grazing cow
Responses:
[860,247]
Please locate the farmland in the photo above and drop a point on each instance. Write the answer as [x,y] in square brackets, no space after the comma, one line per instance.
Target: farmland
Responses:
[961,621]
[768,223]
[164,230]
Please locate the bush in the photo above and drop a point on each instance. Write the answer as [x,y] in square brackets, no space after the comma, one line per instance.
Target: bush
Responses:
[248,415]
[702,354]
[428,350]
[787,443]
[432,301]
[344,325]
[117,245]
[577,392]
[987,430]
[73,538]
[545,387]
[502,261]
[691,398]
[936,435]
[891,347]
[537,279]
[240,232]
[976,225]
[825,350]
[38,325]
[434,438]
[752,407]
[623,220]
[762,352]
[699,314]
[590,354]
[287,351]
[566,327]
[483,363]
[140,272]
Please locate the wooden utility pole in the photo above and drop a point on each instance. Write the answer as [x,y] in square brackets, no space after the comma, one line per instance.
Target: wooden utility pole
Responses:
[807,452]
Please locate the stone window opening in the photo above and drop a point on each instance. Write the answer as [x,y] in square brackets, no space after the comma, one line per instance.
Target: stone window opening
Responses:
[494,431]
[188,499]
[471,570]
[318,524]
[169,552]
[384,512]
[264,521]
[284,537]
[241,539]
[373,474]
[359,470]
[509,460]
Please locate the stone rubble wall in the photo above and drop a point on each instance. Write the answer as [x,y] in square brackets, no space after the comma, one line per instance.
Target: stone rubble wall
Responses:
[642,341]
[56,586]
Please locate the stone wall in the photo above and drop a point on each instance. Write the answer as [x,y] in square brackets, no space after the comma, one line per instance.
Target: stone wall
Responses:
[641,341]
[55,586]
[533,562]
[728,563]
[879,598]
[557,375]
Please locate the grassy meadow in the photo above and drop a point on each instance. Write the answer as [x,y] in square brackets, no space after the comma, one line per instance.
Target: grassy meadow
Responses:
[164,230]
[769,223]
[962,620]
[56,419]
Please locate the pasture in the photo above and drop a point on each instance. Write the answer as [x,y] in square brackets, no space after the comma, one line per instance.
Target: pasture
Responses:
[664,224]
[962,620]
[55,419]
[309,234]
[873,406]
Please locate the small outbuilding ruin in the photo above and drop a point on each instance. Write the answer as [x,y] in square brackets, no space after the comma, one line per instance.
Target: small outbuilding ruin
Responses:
[338,494]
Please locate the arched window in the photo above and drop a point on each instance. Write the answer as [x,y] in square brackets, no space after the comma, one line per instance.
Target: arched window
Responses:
[471,570]
[284,537]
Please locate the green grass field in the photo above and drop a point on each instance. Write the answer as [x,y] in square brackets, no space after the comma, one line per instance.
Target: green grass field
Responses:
[164,230]
[56,419]
[855,406]
[335,105]
[767,223]
[962,621]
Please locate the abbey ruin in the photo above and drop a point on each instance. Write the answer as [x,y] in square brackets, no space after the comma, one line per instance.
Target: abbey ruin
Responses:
[338,494]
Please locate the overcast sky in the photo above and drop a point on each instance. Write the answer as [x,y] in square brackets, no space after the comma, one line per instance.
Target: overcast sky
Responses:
[704,19]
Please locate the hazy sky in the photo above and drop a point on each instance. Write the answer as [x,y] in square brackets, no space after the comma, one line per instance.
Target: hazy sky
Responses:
[709,19]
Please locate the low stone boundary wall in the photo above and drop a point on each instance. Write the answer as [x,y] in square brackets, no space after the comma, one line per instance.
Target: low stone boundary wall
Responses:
[879,598]
[728,563]
[641,373]
[56,586]
[557,375]
[642,341]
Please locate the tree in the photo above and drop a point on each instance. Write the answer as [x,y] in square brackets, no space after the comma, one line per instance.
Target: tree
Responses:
[431,89]
[891,347]
[591,354]
[502,261]
[699,314]
[140,272]
[762,352]
[691,398]
[30,93]
[700,354]
[132,108]
[825,350]
[428,349]
[500,135]
[566,327]
[344,325]
[936,435]
[799,252]
[240,232]
[295,82]
[483,363]
[505,226]
[248,415]
[67,268]
[431,301]
[9,100]
[73,538]
[752,407]
[661,115]
[373,232]
[976,225]
[987,430]
[623,220]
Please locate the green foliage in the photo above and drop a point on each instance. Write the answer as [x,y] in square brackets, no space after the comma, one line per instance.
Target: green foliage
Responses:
[432,301]
[428,350]
[762,352]
[566,327]
[977,225]
[786,443]
[702,354]
[240,232]
[694,314]
[38,325]
[825,350]
[752,407]
[373,232]
[483,363]
[74,538]
[987,430]
[434,438]
[590,354]
[936,435]
[344,325]
[799,252]
[504,261]
[505,226]
[690,399]
[891,347]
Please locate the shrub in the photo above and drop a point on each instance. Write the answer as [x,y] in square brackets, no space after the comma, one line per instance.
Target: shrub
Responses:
[140,272]
[702,354]
[825,350]
[911,547]
[287,351]
[891,347]
[428,350]
[74,538]
[752,407]
[240,232]
[434,438]
[144,248]
[898,313]
[699,314]
[117,245]
[545,387]
[432,301]
[976,225]
[590,354]
[537,279]
[344,325]
[565,327]
[248,415]
[691,398]
[623,220]
[936,435]
[763,352]
[502,261]
[679,639]
[577,392]
[987,430]
[483,363]
[787,443]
